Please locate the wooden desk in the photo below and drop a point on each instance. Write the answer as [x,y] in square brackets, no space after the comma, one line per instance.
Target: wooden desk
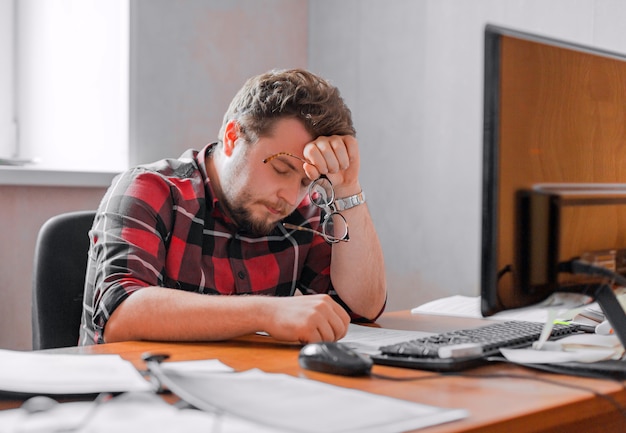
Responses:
[496,404]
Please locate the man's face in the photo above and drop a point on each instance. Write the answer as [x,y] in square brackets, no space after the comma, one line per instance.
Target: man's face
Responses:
[258,195]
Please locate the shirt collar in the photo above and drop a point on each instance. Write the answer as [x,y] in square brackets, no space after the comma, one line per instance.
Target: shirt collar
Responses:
[212,202]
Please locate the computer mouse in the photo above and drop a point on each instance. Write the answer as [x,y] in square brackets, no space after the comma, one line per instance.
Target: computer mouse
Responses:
[38,404]
[334,358]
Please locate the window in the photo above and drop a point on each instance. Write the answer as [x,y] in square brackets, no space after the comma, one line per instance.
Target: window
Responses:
[70,85]
[7,125]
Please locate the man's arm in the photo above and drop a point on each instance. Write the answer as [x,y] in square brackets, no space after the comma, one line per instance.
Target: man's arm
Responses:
[357,266]
[157,313]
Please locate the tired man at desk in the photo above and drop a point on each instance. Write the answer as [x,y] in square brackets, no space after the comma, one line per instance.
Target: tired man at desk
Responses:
[272,210]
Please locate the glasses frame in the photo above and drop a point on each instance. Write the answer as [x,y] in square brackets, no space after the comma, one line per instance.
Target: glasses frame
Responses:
[330,206]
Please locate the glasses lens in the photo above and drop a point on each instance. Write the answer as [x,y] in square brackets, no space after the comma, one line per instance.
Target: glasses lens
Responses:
[321,192]
[335,227]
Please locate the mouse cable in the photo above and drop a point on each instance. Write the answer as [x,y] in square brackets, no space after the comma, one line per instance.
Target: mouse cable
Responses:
[404,379]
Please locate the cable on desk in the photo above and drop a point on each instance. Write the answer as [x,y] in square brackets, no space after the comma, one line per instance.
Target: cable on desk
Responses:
[580,267]
[551,369]
[404,379]
[606,397]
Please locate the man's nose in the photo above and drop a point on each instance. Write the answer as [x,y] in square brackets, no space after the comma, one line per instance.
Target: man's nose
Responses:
[292,194]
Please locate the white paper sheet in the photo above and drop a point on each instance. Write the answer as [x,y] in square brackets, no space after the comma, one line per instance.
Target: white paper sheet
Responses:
[367,339]
[531,356]
[197,366]
[43,373]
[567,306]
[128,413]
[291,404]
[579,347]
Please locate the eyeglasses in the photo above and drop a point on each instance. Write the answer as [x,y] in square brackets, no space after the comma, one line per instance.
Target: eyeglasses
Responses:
[322,194]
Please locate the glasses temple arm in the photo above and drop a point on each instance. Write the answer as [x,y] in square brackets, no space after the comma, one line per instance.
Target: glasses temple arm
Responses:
[306,229]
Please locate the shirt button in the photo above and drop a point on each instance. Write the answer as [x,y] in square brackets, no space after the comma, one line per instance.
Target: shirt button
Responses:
[241,275]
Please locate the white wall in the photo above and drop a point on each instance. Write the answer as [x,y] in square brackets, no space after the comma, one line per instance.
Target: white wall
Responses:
[412,72]
[189,58]
[23,210]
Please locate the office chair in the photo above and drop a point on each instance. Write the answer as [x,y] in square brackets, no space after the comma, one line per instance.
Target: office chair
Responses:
[58,279]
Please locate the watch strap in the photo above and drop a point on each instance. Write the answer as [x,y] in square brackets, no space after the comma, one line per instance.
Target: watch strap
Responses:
[349,202]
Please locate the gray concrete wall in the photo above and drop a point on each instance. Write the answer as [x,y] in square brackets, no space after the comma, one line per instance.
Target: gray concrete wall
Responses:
[412,71]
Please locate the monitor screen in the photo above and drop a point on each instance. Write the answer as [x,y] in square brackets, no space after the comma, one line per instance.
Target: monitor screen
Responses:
[554,165]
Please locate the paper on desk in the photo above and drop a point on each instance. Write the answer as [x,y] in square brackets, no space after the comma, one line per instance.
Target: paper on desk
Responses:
[579,347]
[43,373]
[200,366]
[291,404]
[566,304]
[367,339]
[127,413]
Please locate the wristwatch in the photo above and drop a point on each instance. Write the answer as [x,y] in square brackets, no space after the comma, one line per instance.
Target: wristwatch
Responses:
[349,202]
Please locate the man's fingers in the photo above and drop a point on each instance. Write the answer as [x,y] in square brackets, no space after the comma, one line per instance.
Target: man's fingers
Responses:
[329,154]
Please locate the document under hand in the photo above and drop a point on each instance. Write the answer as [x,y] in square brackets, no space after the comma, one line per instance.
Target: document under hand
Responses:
[60,374]
[368,339]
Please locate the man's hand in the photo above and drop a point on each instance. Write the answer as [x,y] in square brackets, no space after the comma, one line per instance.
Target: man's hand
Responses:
[307,319]
[336,156]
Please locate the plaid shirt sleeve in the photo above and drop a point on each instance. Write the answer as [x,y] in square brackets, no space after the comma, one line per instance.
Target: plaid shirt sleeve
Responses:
[131,235]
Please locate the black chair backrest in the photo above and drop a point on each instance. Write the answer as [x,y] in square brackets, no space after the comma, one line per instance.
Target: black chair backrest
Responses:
[59,279]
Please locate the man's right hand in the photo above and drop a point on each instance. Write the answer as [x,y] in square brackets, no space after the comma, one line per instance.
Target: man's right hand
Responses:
[307,319]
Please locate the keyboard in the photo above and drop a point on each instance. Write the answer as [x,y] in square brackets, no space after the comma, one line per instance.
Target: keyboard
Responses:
[466,348]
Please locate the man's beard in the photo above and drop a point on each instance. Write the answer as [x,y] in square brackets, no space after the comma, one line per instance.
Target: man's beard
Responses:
[243,217]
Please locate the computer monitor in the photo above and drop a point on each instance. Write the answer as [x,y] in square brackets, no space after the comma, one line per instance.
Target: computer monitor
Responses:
[554,166]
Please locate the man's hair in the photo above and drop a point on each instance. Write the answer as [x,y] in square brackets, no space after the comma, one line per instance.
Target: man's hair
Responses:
[293,93]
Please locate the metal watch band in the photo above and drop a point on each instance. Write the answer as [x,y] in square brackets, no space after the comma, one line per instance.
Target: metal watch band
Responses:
[349,202]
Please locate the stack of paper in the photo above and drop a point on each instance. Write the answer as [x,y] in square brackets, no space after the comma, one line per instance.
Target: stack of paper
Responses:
[56,374]
[290,404]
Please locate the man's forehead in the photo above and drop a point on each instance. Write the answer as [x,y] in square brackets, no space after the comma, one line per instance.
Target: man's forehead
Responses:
[287,135]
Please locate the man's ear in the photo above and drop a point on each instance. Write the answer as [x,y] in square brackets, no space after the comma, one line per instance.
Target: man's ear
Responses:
[231,134]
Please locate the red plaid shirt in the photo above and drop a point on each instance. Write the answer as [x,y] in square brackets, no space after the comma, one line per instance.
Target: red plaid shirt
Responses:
[161,225]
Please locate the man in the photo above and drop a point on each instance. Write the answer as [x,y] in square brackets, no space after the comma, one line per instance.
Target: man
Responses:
[237,218]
